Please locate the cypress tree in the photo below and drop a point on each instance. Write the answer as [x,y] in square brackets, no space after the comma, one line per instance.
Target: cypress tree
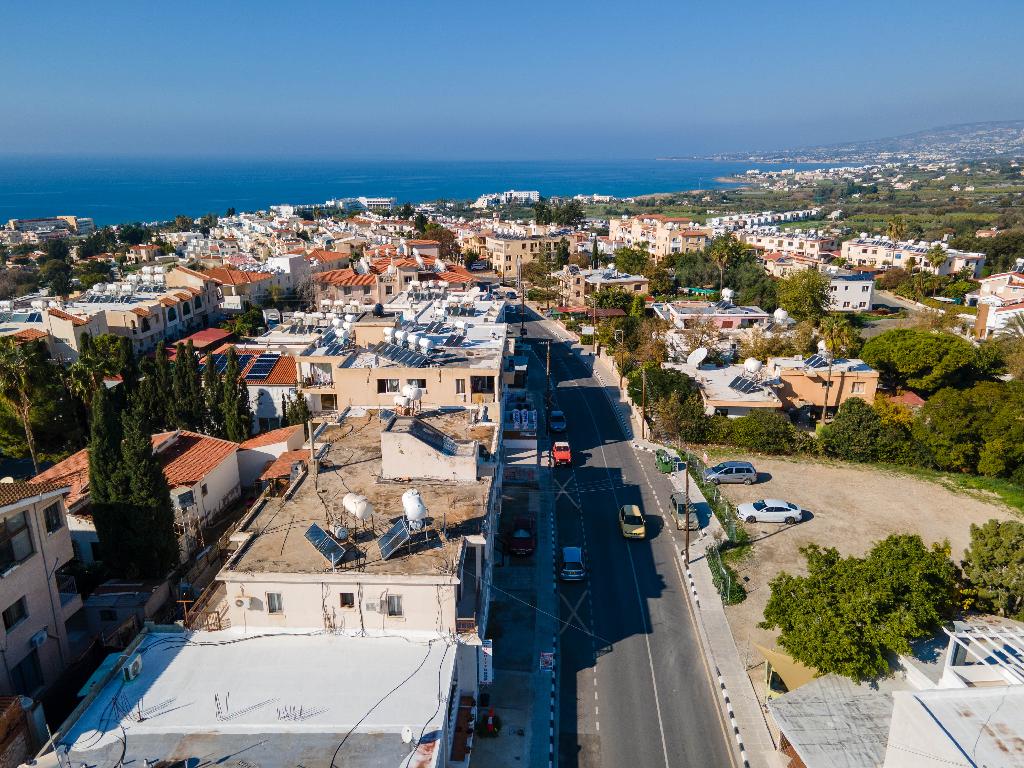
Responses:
[151,541]
[127,366]
[164,387]
[188,398]
[298,411]
[235,402]
[213,397]
[106,478]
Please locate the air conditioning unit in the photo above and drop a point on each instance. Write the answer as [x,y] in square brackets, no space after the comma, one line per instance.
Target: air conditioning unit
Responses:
[132,668]
[38,639]
[372,606]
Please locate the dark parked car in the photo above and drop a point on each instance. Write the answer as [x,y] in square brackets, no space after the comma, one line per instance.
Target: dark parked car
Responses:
[522,540]
[556,422]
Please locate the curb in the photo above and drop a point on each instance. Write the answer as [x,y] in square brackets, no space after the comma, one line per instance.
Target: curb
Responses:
[732,718]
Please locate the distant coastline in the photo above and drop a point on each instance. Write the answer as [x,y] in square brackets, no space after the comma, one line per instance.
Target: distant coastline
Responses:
[113,191]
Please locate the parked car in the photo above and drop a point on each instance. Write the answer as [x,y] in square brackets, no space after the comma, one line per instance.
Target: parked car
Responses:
[478,266]
[632,522]
[686,516]
[556,422]
[731,472]
[770,511]
[561,454]
[572,567]
[522,540]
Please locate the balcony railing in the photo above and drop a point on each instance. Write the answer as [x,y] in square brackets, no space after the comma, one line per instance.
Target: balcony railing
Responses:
[67,588]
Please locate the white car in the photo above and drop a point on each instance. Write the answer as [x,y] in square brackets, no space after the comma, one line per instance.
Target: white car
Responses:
[770,511]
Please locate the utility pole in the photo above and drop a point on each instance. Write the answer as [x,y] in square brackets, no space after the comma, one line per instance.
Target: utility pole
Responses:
[643,403]
[522,298]
[686,512]
[547,368]
[312,453]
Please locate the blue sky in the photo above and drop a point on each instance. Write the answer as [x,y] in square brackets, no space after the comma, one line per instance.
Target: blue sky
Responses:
[483,80]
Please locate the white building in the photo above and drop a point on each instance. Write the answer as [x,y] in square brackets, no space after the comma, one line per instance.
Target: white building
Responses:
[882,253]
[851,292]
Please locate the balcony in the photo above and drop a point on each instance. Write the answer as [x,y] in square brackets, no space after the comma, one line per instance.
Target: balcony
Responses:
[467,609]
[67,587]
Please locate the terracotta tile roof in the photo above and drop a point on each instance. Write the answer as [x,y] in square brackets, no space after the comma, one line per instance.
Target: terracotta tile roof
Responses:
[229,276]
[192,272]
[322,255]
[62,315]
[12,493]
[274,436]
[167,302]
[208,337]
[141,311]
[73,473]
[907,398]
[283,374]
[282,465]
[423,242]
[29,334]
[346,277]
[191,457]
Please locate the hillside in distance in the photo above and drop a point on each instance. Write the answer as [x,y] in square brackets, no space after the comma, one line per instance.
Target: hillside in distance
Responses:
[969,141]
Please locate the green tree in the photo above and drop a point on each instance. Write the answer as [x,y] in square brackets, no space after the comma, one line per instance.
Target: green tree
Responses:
[855,433]
[183,223]
[848,615]
[151,542]
[631,261]
[164,378]
[107,479]
[213,397]
[448,247]
[761,431]
[994,563]
[805,295]
[723,250]
[936,256]
[188,396]
[20,369]
[926,361]
[420,222]
[56,275]
[638,308]
[297,411]
[896,228]
[612,298]
[235,405]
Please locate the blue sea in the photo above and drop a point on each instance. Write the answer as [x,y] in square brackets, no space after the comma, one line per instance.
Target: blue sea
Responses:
[121,190]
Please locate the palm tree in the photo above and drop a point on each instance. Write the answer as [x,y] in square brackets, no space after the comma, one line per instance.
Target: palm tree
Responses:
[936,257]
[838,337]
[724,249]
[896,228]
[18,366]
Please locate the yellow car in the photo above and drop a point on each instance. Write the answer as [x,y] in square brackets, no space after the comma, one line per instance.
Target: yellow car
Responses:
[632,523]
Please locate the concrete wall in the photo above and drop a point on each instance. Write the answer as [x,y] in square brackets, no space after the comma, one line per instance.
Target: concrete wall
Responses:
[314,601]
[34,579]
[358,386]
[252,461]
[404,455]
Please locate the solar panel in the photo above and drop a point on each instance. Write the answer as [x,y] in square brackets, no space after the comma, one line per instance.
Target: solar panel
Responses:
[263,366]
[393,539]
[744,385]
[816,361]
[324,544]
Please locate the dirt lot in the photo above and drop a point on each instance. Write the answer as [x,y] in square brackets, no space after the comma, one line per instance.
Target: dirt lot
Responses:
[852,508]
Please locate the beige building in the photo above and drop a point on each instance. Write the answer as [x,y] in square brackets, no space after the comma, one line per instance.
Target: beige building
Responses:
[664,235]
[378,281]
[881,253]
[37,597]
[803,382]
[575,285]
[795,243]
[507,251]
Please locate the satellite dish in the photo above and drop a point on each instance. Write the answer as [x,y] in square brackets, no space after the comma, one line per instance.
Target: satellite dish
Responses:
[822,347]
[752,365]
[697,357]
[727,294]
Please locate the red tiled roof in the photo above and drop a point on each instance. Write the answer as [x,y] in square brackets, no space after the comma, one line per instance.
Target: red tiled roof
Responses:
[208,337]
[62,315]
[12,493]
[282,465]
[322,256]
[908,398]
[229,276]
[192,272]
[283,374]
[29,334]
[423,242]
[73,472]
[141,311]
[346,277]
[191,457]
[273,436]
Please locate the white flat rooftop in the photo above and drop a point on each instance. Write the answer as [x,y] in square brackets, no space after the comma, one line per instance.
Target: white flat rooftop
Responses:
[199,688]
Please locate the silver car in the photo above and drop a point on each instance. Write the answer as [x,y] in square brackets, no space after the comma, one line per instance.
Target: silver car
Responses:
[572,566]
[770,511]
[731,472]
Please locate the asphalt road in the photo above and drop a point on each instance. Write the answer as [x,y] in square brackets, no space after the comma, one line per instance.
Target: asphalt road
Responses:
[634,687]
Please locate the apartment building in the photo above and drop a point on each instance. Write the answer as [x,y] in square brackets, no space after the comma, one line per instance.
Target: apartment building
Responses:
[804,382]
[377,281]
[38,598]
[575,285]
[664,235]
[851,292]
[725,315]
[882,253]
[796,243]
[507,250]
[252,285]
[316,600]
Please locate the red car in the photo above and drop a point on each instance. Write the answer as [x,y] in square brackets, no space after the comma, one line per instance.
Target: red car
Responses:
[522,539]
[561,454]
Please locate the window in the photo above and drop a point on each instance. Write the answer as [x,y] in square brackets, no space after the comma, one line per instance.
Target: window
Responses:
[205,489]
[421,383]
[15,541]
[386,386]
[53,518]
[16,613]
[865,288]
[395,605]
[108,614]
[198,302]
[172,315]
[460,386]
[274,602]
[857,388]
[348,600]
[388,290]
[186,309]
[27,675]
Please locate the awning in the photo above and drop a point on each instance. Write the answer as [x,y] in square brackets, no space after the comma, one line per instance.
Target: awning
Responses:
[793,673]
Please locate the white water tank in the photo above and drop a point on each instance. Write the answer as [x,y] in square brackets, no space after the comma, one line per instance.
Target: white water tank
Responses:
[426,344]
[400,336]
[752,365]
[401,401]
[349,501]
[336,322]
[413,339]
[728,294]
[362,509]
[412,504]
[389,335]
[413,392]
[781,315]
